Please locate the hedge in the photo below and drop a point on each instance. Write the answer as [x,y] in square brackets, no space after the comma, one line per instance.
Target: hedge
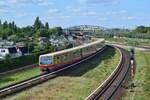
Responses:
[10,64]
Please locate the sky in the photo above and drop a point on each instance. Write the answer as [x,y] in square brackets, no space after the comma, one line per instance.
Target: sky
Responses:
[66,13]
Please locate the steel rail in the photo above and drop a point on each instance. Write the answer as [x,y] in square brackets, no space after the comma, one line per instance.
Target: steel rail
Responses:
[111,85]
[41,78]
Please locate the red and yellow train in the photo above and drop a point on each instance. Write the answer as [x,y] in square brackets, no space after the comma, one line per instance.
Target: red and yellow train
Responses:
[52,61]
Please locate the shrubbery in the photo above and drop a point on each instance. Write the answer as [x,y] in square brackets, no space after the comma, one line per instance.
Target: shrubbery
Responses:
[19,62]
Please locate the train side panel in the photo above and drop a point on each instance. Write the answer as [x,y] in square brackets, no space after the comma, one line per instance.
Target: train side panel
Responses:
[67,57]
[88,50]
[72,55]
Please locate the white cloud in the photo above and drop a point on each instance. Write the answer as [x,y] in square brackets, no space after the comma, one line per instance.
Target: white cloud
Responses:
[82,10]
[14,3]
[53,10]
[102,19]
[73,9]
[46,3]
[4,11]
[131,18]
[66,17]
[90,13]
[98,1]
[2,2]
[108,13]
[116,12]
[20,15]
[25,1]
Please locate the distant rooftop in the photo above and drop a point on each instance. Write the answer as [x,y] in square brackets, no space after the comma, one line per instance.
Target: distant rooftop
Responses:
[87,27]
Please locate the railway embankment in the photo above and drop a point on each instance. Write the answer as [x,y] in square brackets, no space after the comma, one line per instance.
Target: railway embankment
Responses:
[76,83]
[12,78]
[140,89]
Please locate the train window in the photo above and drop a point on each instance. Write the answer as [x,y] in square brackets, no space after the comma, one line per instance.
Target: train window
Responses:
[57,57]
[77,52]
[71,56]
[74,53]
[68,56]
[61,58]
[46,60]
[64,57]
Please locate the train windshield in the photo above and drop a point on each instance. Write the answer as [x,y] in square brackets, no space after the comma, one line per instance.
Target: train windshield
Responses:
[46,60]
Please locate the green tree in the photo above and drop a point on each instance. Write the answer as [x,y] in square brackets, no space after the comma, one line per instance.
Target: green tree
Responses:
[6,33]
[141,29]
[59,30]
[10,25]
[0,24]
[43,33]
[38,24]
[46,25]
[0,28]
[56,31]
[14,27]
[28,31]
[5,25]
[49,47]
[14,38]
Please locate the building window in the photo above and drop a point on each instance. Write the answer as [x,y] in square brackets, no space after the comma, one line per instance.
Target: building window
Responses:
[2,50]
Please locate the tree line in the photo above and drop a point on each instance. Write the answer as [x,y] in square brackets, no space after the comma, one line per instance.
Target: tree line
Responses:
[142,29]
[142,32]
[30,35]
[10,31]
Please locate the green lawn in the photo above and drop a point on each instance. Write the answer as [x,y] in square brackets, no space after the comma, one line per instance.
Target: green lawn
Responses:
[19,76]
[74,84]
[142,78]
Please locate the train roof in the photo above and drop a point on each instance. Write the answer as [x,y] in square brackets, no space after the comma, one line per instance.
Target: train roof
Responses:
[71,49]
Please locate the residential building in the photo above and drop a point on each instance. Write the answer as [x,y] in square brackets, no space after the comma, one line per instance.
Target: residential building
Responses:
[12,51]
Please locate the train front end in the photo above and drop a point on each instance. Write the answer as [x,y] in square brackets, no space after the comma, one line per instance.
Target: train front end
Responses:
[46,63]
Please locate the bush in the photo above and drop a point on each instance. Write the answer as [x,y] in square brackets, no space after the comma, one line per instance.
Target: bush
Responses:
[10,64]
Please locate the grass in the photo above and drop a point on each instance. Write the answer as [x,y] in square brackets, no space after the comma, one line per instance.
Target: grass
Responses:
[131,41]
[142,78]
[19,76]
[75,84]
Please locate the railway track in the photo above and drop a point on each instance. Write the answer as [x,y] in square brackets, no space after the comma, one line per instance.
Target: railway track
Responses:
[111,88]
[41,78]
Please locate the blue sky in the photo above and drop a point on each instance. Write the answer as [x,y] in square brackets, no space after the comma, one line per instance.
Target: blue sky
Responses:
[107,13]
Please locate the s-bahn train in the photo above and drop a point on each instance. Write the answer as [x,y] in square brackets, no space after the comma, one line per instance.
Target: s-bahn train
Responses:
[53,61]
